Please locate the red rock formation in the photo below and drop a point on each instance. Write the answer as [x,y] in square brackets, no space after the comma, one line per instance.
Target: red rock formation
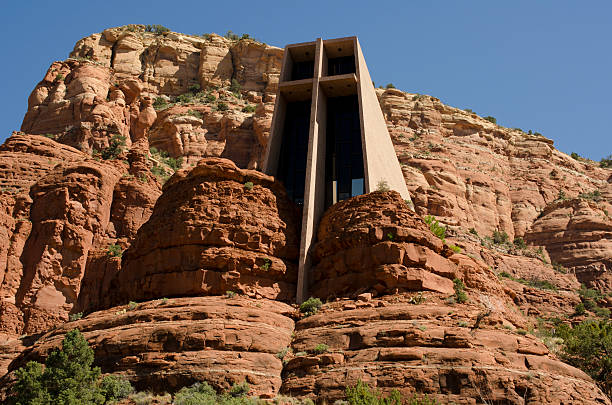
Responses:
[212,232]
[432,349]
[164,345]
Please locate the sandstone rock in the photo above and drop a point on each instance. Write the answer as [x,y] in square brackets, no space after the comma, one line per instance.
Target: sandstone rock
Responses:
[164,345]
[210,233]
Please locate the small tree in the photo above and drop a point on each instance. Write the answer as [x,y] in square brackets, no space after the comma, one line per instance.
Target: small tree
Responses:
[67,378]
[115,147]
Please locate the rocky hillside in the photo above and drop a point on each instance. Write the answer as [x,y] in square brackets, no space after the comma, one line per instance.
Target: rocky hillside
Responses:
[129,199]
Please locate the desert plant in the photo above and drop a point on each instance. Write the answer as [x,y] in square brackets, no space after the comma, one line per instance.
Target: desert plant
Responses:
[194,88]
[361,394]
[320,348]
[115,147]
[266,265]
[249,109]
[239,390]
[460,295]
[499,237]
[221,106]
[194,113]
[59,77]
[473,232]
[281,354]
[455,248]
[231,36]
[230,294]
[75,317]
[520,243]
[382,185]
[490,119]
[160,103]
[114,250]
[248,185]
[435,227]
[156,29]
[235,87]
[67,378]
[311,306]
[606,162]
[389,86]
[132,305]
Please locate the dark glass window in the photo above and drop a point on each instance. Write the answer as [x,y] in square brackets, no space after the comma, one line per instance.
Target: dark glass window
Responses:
[302,70]
[341,66]
[343,156]
[294,150]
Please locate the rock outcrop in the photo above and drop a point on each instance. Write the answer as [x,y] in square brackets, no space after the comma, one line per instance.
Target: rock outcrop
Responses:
[215,228]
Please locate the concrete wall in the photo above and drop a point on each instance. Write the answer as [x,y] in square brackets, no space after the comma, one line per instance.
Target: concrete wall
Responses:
[380,159]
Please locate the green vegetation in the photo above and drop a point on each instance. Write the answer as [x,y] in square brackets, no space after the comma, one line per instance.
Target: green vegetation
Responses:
[588,346]
[590,299]
[592,195]
[320,348]
[115,147]
[221,106]
[281,355]
[114,250]
[235,87]
[249,108]
[196,114]
[248,185]
[50,136]
[59,77]
[390,236]
[606,162]
[561,196]
[157,29]
[160,103]
[536,283]
[194,88]
[473,232]
[230,294]
[362,394]
[490,119]
[75,317]
[435,227]
[382,185]
[67,378]
[311,306]
[204,394]
[455,248]
[266,265]
[389,86]
[460,295]
[499,237]
[132,305]
[520,243]
[576,156]
[231,36]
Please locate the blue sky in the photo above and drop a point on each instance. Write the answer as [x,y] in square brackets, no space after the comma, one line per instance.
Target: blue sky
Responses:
[539,65]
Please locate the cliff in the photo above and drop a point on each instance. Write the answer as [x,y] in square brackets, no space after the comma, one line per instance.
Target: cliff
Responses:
[132,180]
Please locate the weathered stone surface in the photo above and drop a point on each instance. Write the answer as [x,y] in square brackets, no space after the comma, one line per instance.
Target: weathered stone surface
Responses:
[375,242]
[164,345]
[429,349]
[210,232]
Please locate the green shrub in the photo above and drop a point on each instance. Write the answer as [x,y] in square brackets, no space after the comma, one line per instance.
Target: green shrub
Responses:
[221,106]
[311,306]
[455,248]
[592,195]
[435,227]
[521,332]
[588,346]
[67,378]
[75,317]
[281,355]
[231,36]
[320,348]
[59,77]
[230,294]
[160,103]
[198,393]
[196,114]
[361,394]
[249,185]
[194,88]
[210,98]
[184,98]
[132,305]
[559,268]
[473,232]
[114,250]
[249,109]
[266,265]
[460,295]
[499,237]
[50,136]
[235,87]
[156,29]
[520,243]
[115,388]
[239,390]
[390,86]
[115,147]
[490,119]
[382,185]
[606,162]
[468,110]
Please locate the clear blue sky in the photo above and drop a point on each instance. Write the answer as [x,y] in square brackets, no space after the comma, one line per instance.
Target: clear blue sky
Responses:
[540,65]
